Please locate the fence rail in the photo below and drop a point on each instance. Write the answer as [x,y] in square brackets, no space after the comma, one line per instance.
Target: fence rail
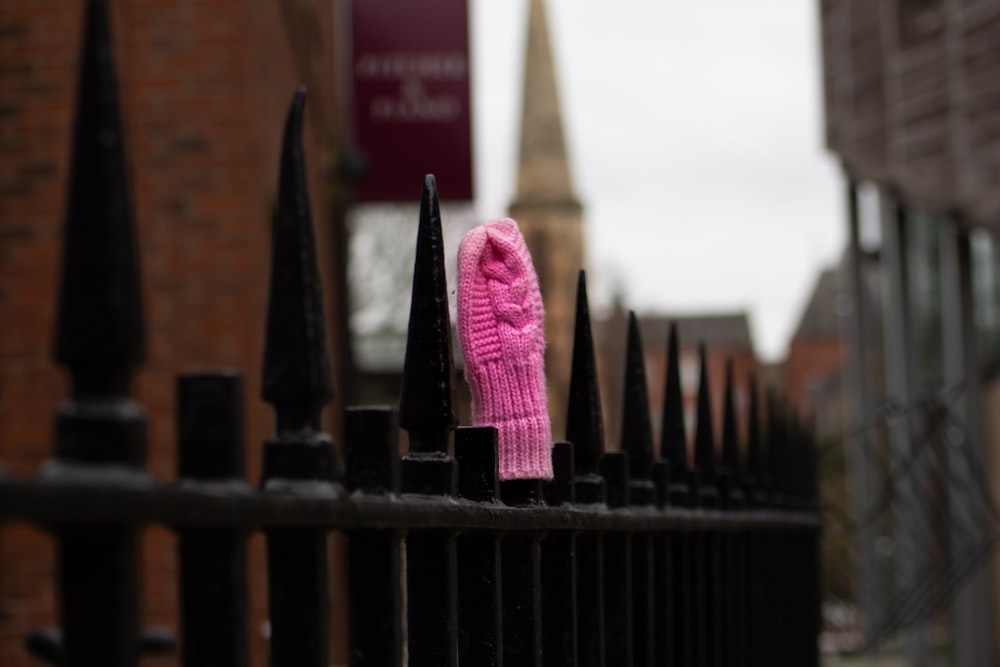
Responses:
[69,500]
[622,559]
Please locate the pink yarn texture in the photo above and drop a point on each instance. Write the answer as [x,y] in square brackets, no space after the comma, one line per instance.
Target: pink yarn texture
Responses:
[501,327]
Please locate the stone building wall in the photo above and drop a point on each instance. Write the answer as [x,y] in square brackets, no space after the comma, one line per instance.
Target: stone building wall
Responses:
[910,95]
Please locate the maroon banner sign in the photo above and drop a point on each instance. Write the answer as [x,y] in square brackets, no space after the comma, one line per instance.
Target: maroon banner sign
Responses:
[411,113]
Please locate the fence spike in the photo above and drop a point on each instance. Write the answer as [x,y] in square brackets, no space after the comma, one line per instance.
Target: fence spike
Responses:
[730,435]
[100,338]
[784,478]
[584,421]
[704,434]
[764,480]
[100,334]
[637,434]
[773,462]
[371,450]
[210,438]
[791,456]
[296,377]
[660,477]
[811,472]
[297,382]
[614,469]
[477,458]
[786,420]
[805,456]
[560,490]
[673,439]
[799,455]
[426,404]
[754,464]
[210,448]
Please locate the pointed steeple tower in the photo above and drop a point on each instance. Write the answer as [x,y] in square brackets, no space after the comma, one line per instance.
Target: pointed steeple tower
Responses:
[546,207]
[543,175]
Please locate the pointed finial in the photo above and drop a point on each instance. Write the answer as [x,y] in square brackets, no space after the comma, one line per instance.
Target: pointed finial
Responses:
[804,456]
[755,461]
[100,334]
[560,490]
[811,480]
[794,455]
[773,443]
[371,450]
[478,463]
[704,435]
[426,404]
[673,439]
[730,435]
[296,378]
[584,421]
[637,434]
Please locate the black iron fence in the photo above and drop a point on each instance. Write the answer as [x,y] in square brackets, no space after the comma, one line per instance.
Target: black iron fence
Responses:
[621,559]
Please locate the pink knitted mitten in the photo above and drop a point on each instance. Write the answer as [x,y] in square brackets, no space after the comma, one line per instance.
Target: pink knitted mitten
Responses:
[502,332]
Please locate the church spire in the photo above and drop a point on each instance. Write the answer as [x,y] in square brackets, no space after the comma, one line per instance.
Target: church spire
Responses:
[547,210]
[543,171]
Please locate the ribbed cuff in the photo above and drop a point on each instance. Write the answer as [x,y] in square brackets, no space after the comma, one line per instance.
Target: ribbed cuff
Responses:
[510,394]
[532,461]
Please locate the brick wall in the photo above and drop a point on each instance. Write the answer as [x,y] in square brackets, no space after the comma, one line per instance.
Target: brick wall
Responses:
[204,88]
[812,366]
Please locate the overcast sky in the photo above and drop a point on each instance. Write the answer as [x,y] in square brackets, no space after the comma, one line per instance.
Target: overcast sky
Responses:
[695,138]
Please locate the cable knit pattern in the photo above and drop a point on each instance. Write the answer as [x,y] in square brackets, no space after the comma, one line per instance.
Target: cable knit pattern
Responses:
[501,327]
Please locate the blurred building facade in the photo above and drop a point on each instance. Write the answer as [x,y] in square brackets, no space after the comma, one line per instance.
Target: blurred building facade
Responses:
[913,113]
[204,89]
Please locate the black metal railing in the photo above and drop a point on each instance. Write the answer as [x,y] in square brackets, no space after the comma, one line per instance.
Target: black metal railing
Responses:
[622,559]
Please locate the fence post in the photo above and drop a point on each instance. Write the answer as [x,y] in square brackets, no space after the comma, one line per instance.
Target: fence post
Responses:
[585,429]
[803,578]
[371,467]
[213,561]
[735,545]
[756,596]
[663,572]
[559,594]
[99,339]
[480,634]
[794,542]
[637,441]
[679,547]
[617,566]
[427,414]
[708,565]
[521,580]
[812,601]
[299,458]
[774,560]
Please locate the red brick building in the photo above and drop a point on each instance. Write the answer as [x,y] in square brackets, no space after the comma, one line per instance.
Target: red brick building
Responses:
[817,356]
[204,88]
